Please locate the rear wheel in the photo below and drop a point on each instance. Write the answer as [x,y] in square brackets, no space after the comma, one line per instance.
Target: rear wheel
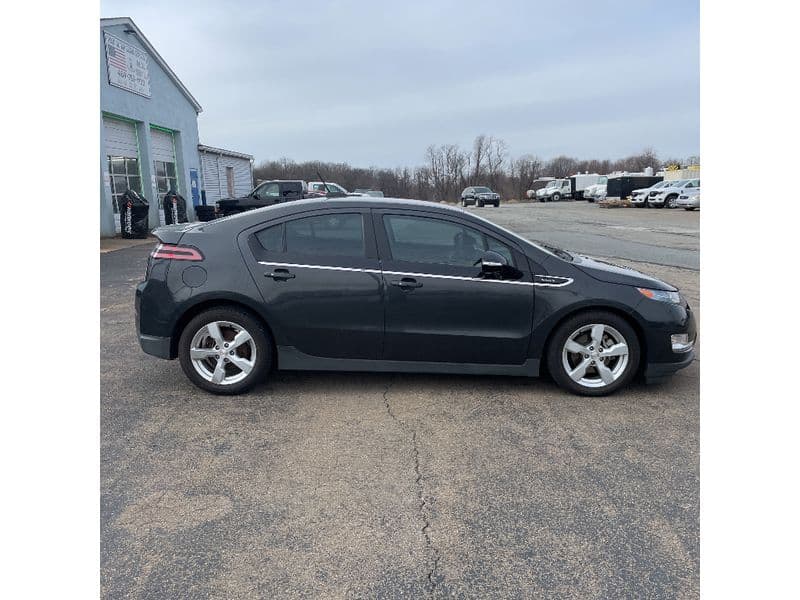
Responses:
[593,354]
[225,351]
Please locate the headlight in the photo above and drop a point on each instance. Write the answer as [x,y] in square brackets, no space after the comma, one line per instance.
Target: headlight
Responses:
[661,295]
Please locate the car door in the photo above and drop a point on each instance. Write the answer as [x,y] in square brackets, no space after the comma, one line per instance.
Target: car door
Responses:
[320,280]
[438,306]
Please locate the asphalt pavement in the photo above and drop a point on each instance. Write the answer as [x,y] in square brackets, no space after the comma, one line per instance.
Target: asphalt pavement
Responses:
[342,485]
[669,237]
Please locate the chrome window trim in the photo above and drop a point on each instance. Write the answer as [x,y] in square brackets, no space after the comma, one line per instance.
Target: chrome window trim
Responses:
[544,280]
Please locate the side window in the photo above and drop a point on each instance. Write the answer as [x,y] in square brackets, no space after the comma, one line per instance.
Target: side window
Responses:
[327,235]
[433,241]
[271,238]
[268,190]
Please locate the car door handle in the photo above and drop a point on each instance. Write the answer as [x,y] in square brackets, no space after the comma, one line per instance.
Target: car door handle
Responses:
[280,275]
[406,283]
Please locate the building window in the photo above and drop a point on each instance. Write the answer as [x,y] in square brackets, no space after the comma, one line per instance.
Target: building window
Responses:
[124,173]
[165,177]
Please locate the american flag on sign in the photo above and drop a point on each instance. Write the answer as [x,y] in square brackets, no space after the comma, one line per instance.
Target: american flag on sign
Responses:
[117,58]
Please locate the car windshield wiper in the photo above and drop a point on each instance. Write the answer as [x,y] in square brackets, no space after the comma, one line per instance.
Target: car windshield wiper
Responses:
[558,252]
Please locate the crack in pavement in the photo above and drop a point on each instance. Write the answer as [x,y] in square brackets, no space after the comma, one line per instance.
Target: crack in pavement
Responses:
[423,508]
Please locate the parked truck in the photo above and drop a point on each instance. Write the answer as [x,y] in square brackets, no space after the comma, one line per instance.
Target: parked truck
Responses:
[537,185]
[580,182]
[555,190]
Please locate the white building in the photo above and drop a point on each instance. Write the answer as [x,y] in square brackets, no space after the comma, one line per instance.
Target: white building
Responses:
[226,174]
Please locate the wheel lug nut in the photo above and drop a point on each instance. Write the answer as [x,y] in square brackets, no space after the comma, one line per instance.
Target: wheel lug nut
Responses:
[226,345]
[585,356]
[231,352]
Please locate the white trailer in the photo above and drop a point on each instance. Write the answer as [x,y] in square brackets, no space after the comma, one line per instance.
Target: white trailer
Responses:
[580,181]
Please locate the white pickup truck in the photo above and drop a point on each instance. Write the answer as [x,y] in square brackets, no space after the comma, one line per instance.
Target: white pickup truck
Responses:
[596,191]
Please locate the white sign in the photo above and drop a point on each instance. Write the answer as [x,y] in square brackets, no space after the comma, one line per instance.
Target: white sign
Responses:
[127,66]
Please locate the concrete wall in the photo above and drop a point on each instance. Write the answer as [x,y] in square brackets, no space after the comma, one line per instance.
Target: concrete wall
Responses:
[167,107]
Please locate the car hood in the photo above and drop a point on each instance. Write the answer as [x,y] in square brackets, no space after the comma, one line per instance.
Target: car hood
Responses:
[611,273]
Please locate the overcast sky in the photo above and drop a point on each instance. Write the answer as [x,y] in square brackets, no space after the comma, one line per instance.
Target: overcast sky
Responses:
[375,83]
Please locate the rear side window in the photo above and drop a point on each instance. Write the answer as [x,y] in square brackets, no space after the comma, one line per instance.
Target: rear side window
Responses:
[433,241]
[326,235]
[271,238]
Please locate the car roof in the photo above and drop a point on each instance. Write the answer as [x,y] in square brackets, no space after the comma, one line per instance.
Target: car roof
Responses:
[282,209]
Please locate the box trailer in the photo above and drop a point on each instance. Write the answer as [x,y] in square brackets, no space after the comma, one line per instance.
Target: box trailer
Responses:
[580,182]
[620,185]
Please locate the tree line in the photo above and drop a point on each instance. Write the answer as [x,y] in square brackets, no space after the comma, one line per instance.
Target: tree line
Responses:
[448,169]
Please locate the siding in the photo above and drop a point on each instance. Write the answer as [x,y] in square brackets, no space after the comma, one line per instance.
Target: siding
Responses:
[215,181]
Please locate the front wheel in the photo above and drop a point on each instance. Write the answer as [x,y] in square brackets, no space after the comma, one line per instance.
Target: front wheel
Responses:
[556,197]
[671,202]
[225,351]
[479,203]
[593,354]
[688,208]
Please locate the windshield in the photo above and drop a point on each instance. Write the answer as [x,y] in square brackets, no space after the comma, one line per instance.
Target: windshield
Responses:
[603,180]
[482,190]
[562,254]
[553,184]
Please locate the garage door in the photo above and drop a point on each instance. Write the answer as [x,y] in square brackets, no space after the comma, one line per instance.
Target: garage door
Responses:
[162,149]
[122,153]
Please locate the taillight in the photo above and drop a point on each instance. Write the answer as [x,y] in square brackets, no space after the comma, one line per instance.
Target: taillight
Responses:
[173,252]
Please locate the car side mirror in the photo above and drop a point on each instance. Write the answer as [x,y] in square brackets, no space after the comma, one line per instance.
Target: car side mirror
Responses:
[493,263]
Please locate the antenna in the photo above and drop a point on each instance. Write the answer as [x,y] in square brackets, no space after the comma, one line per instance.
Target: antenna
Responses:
[327,189]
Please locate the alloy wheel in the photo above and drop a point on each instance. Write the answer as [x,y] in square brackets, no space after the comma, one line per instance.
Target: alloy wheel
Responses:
[595,355]
[223,352]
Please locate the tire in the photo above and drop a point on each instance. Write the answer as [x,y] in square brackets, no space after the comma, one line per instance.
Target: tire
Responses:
[620,369]
[671,202]
[497,204]
[196,336]
[463,202]
[688,208]
[479,203]
[556,197]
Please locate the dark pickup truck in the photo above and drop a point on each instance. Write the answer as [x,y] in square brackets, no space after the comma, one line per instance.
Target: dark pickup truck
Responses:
[265,194]
[268,193]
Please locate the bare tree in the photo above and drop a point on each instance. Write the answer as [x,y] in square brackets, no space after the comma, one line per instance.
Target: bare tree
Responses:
[496,153]
[448,169]
[562,166]
[524,170]
[479,149]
